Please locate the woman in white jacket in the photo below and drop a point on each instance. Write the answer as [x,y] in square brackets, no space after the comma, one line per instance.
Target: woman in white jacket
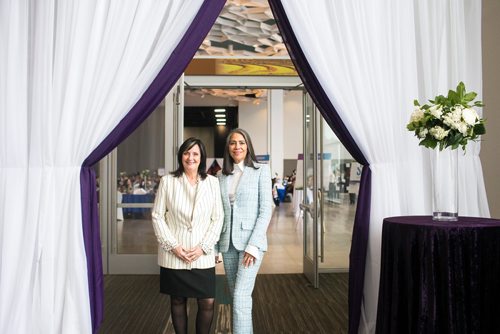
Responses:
[187,220]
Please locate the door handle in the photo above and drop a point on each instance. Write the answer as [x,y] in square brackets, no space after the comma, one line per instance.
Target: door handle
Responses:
[308,208]
[305,207]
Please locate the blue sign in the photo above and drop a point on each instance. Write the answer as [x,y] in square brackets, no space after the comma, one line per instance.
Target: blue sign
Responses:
[263,157]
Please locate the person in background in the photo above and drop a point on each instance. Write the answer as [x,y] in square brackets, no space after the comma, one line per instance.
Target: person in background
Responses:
[280,189]
[187,220]
[247,201]
[276,197]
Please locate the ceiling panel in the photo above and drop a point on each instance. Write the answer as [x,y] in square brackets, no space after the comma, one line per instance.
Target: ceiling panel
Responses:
[244,29]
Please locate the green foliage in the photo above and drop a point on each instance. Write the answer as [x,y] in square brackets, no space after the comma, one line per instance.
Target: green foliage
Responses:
[448,121]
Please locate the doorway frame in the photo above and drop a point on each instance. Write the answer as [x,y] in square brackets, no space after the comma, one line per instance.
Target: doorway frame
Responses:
[114,263]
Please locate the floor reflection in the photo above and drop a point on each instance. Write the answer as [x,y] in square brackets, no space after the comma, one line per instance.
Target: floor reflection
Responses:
[285,238]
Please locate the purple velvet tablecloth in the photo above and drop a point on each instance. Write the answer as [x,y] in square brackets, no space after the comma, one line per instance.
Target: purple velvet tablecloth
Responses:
[439,277]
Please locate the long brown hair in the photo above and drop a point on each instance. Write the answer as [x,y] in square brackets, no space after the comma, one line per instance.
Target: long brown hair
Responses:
[186,146]
[250,158]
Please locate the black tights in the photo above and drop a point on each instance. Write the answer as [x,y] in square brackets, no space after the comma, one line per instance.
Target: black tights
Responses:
[204,316]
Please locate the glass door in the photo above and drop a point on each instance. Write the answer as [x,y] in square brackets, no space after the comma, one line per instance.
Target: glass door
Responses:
[331,181]
[310,198]
[339,188]
[134,169]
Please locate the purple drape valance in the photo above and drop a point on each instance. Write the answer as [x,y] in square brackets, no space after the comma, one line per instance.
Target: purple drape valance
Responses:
[152,97]
[357,257]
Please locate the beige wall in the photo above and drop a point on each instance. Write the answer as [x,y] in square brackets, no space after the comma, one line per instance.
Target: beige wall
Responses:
[490,147]
[253,118]
[292,124]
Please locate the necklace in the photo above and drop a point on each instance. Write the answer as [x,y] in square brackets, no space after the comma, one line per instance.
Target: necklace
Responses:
[193,181]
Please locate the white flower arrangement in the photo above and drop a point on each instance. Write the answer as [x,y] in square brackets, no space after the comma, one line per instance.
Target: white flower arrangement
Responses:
[449,121]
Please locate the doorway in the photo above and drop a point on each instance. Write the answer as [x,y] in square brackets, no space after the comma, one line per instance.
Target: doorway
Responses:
[130,245]
[129,176]
[327,198]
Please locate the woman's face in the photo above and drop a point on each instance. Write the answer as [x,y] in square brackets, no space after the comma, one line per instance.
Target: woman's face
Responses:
[191,159]
[237,147]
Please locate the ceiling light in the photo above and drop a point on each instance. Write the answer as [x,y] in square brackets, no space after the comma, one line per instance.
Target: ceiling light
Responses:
[220,115]
[219,110]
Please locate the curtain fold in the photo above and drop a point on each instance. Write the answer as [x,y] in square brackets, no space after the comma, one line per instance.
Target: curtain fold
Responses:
[448,38]
[70,72]
[357,255]
[152,97]
[372,59]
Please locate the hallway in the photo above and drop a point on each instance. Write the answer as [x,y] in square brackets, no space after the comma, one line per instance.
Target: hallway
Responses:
[285,239]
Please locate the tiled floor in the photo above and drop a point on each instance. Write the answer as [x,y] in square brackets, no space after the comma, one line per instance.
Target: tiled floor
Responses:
[285,239]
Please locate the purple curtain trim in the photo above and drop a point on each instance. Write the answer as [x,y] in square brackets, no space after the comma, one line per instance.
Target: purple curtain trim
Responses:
[362,219]
[92,240]
[152,97]
[312,84]
[359,246]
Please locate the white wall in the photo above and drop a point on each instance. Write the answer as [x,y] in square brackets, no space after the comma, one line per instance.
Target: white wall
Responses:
[276,115]
[253,119]
[331,144]
[145,147]
[337,150]
[292,136]
[490,147]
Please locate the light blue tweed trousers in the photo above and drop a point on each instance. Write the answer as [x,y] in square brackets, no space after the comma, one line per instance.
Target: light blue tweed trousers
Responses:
[251,213]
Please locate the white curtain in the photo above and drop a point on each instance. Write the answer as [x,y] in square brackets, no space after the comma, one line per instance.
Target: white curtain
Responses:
[69,72]
[373,58]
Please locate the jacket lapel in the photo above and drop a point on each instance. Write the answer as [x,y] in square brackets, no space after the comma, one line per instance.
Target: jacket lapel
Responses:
[201,192]
[223,181]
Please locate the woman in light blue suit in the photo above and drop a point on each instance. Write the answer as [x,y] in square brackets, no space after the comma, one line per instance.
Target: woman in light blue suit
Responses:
[247,201]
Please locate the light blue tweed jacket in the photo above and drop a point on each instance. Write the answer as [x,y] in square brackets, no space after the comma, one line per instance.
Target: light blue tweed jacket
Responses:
[252,209]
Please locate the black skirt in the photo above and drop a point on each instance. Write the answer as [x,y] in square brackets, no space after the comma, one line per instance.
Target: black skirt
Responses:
[194,283]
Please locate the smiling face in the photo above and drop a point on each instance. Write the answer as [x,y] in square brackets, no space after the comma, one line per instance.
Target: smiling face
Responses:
[191,159]
[237,147]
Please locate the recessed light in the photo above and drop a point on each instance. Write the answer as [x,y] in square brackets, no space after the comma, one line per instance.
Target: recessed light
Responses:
[219,110]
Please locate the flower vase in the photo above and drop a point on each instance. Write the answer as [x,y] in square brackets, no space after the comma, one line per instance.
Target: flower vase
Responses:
[444,167]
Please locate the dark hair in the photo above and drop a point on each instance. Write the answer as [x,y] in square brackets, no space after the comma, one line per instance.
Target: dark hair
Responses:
[250,159]
[186,146]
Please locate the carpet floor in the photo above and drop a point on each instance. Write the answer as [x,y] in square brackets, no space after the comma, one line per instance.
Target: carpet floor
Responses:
[283,303]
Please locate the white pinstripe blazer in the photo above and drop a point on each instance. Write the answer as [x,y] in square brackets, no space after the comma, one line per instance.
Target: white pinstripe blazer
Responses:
[175,224]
